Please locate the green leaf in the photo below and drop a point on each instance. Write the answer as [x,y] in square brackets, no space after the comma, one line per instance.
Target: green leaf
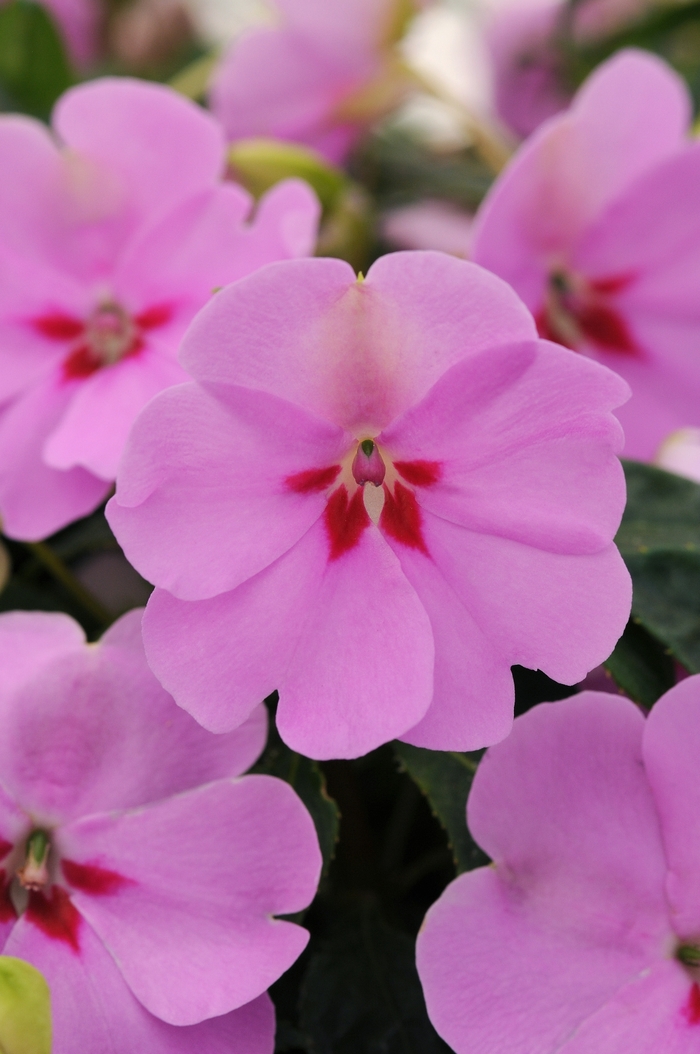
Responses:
[361,993]
[659,539]
[260,163]
[308,781]
[641,666]
[34,68]
[445,778]
[25,1009]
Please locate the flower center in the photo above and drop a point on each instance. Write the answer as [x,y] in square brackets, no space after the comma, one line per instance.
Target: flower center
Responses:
[108,335]
[34,874]
[578,310]
[352,505]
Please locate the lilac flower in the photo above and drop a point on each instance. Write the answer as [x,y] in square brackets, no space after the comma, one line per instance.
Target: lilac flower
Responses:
[376,497]
[584,937]
[596,224]
[318,78]
[110,240]
[135,873]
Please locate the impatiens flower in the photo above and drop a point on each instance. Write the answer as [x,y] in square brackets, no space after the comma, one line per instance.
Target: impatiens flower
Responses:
[136,873]
[375,497]
[114,231]
[584,937]
[317,78]
[596,224]
[79,23]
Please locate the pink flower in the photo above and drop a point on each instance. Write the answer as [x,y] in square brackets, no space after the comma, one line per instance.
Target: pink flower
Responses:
[110,240]
[596,224]
[375,498]
[584,938]
[318,78]
[78,20]
[144,874]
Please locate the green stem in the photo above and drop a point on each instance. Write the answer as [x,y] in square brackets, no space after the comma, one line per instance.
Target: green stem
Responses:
[58,570]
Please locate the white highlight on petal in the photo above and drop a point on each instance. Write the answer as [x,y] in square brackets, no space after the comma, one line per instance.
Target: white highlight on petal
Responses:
[680,453]
[374,501]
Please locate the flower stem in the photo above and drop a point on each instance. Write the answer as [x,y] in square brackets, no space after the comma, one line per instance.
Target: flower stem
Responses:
[58,570]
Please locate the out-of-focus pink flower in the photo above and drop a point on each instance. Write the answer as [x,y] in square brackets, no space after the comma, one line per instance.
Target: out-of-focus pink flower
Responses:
[377,497]
[584,938]
[110,241]
[596,224]
[429,225]
[318,78]
[136,873]
[78,21]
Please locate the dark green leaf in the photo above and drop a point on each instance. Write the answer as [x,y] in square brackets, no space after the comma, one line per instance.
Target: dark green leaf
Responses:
[308,781]
[34,69]
[445,779]
[659,539]
[361,993]
[641,666]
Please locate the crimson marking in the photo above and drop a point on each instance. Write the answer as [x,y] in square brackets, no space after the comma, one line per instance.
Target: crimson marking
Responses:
[312,479]
[80,363]
[547,331]
[57,326]
[419,473]
[692,1007]
[7,908]
[345,520]
[5,848]
[155,316]
[613,284]
[606,328]
[91,878]
[401,518]
[57,917]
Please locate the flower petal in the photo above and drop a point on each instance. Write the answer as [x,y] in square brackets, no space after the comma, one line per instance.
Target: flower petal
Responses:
[362,672]
[355,353]
[558,613]
[211,473]
[92,729]
[93,1010]
[35,499]
[525,445]
[498,976]
[671,743]
[204,873]
[161,146]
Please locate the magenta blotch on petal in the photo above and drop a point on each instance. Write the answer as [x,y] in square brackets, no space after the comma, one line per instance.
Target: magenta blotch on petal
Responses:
[352,457]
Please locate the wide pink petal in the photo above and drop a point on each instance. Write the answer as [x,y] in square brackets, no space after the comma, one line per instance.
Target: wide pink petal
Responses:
[35,499]
[220,657]
[161,146]
[94,429]
[525,445]
[93,1010]
[29,187]
[362,672]
[202,502]
[78,20]
[92,729]
[472,703]
[633,111]
[204,873]
[564,809]
[280,83]
[671,743]
[29,640]
[285,226]
[498,976]
[356,353]
[551,611]
[649,1014]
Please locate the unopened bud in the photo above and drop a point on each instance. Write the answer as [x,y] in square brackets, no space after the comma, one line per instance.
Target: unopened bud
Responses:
[367,466]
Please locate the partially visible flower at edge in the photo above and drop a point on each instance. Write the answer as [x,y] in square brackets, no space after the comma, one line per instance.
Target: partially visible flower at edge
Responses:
[596,225]
[112,235]
[318,78]
[406,491]
[138,871]
[584,935]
